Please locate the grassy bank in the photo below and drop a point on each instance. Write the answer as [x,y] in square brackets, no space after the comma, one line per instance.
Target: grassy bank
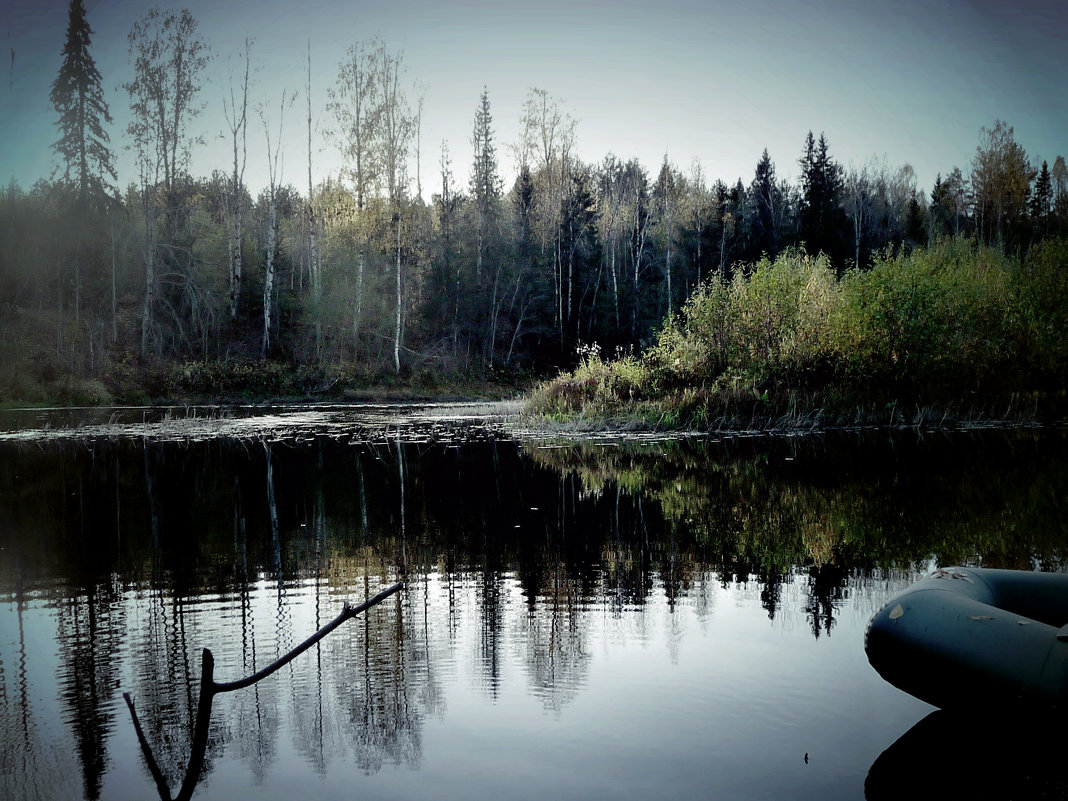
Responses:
[128,382]
[955,332]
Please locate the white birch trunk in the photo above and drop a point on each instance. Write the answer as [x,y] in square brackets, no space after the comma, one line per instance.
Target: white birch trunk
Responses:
[150,275]
[268,281]
[399,317]
[360,257]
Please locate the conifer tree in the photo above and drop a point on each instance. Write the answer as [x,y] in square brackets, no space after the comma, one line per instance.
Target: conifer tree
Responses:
[78,98]
[485,182]
[486,194]
[822,219]
[1042,200]
[765,237]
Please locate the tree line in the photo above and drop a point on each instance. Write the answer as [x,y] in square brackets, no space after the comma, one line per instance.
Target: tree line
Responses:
[359,275]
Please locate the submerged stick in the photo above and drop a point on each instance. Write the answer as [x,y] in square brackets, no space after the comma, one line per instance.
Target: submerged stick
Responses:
[153,767]
[209,688]
[346,612]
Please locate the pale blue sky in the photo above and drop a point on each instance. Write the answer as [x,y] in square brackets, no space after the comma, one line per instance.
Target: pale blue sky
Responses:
[911,80]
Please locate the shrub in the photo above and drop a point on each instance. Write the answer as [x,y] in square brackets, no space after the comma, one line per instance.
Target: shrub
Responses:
[955,319]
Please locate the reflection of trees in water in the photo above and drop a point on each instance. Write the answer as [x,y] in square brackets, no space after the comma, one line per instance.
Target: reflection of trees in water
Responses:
[553,640]
[90,627]
[491,607]
[373,688]
[766,508]
[31,767]
[164,634]
[313,737]
[509,548]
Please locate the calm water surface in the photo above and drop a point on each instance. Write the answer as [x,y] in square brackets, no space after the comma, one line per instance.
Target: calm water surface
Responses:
[638,620]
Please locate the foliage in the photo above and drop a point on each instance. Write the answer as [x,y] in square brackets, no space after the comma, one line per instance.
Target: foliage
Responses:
[955,321]
[1040,287]
[78,97]
[755,297]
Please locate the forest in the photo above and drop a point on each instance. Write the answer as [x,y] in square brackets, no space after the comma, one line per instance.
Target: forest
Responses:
[179,287]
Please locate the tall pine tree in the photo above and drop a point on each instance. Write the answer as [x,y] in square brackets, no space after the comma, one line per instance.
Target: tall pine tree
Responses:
[78,98]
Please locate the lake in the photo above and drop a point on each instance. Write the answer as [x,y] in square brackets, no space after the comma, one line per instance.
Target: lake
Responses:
[594,618]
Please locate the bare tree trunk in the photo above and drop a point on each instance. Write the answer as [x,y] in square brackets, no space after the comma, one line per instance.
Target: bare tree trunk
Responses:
[723,245]
[639,236]
[593,303]
[516,332]
[699,238]
[150,297]
[494,315]
[668,266]
[272,229]
[150,272]
[238,122]
[559,269]
[268,281]
[59,307]
[400,297]
[114,302]
[360,257]
[570,277]
[856,239]
[235,264]
[313,241]
[615,281]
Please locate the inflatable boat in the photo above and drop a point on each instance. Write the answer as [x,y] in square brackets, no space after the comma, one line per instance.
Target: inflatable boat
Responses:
[971,638]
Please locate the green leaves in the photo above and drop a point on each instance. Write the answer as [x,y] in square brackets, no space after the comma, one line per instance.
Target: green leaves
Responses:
[954,321]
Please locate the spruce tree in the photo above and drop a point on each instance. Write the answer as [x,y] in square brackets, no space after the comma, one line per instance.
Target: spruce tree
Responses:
[78,97]
[1042,200]
[822,219]
[485,182]
[763,192]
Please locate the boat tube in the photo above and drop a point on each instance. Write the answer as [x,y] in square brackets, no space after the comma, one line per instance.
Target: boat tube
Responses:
[968,638]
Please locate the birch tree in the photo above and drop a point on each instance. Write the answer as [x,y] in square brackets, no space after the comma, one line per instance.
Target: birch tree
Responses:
[858,197]
[274,175]
[237,122]
[168,57]
[636,197]
[1001,178]
[448,205]
[548,137]
[1059,176]
[314,255]
[396,133]
[610,222]
[698,208]
[356,103]
[666,198]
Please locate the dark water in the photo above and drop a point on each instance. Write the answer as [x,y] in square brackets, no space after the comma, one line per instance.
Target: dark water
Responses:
[654,620]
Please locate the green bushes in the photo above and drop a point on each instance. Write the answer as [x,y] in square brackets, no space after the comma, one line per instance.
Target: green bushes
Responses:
[937,319]
[936,326]
[1040,297]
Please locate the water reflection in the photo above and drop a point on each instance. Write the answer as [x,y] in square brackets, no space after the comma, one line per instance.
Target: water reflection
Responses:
[210,689]
[125,559]
[980,756]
